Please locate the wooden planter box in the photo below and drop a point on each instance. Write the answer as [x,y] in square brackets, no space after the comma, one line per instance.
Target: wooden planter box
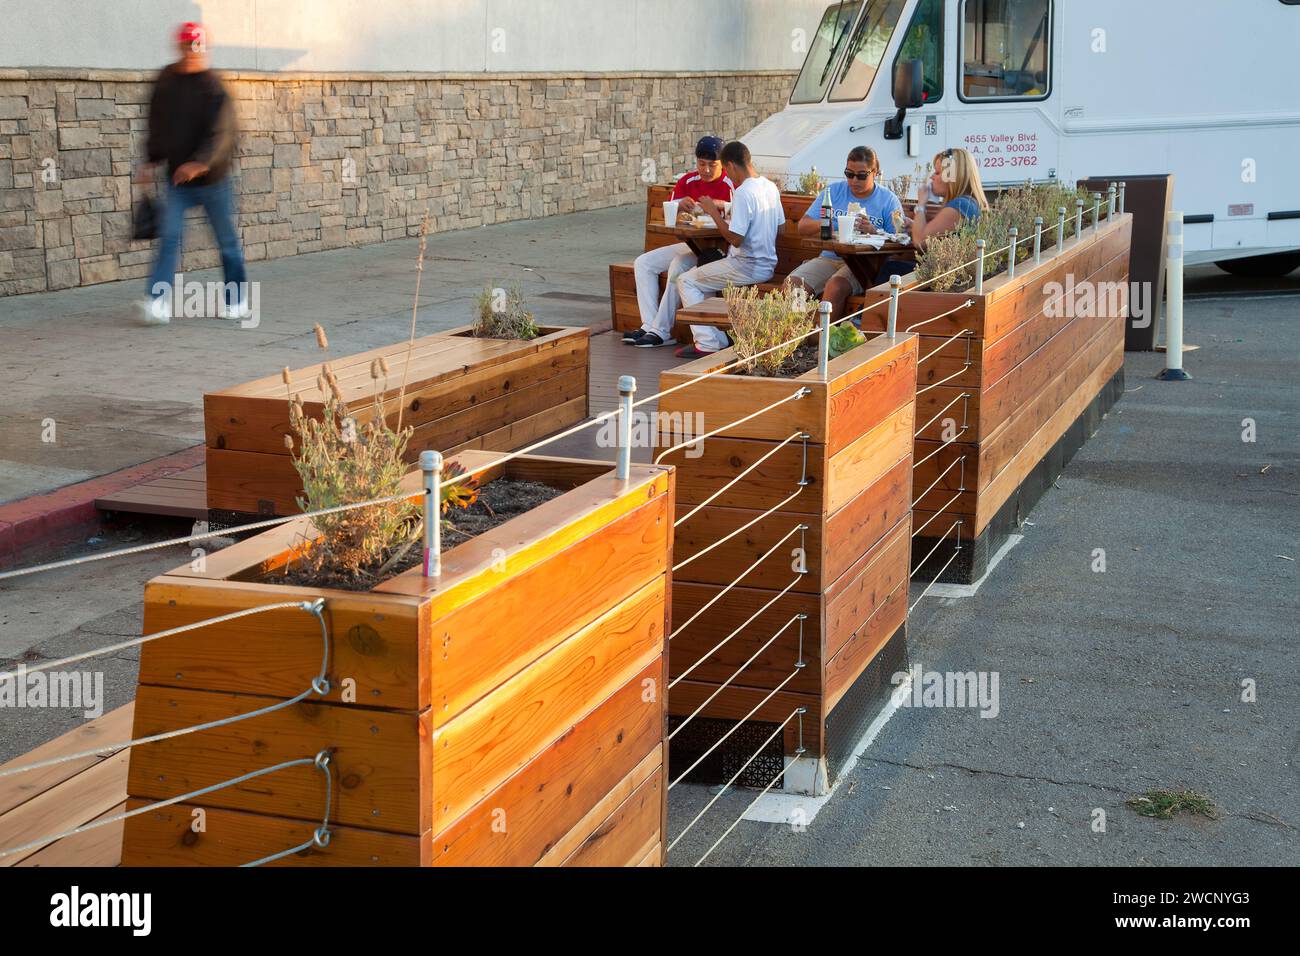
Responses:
[510,714]
[856,508]
[463,392]
[1034,390]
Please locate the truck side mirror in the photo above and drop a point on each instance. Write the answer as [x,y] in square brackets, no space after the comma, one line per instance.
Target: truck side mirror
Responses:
[909,84]
[909,94]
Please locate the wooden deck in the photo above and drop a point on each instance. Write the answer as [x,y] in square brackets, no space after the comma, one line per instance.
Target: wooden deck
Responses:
[67,795]
[184,494]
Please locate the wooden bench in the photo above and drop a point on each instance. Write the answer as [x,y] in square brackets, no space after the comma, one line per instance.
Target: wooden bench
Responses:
[625,315]
[462,392]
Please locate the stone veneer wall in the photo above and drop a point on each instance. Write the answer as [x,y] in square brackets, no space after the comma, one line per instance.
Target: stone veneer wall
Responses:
[327,161]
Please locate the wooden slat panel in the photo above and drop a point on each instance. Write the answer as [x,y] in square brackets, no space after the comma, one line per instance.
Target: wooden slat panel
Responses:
[722,459]
[1013,302]
[724,563]
[725,399]
[866,460]
[621,840]
[997,492]
[503,731]
[865,643]
[861,590]
[71,803]
[1013,391]
[1004,355]
[854,529]
[381,760]
[947,407]
[937,481]
[1002,444]
[871,400]
[164,837]
[481,644]
[543,804]
[376,641]
[101,846]
[600,812]
[711,628]
[955,362]
[528,430]
[113,727]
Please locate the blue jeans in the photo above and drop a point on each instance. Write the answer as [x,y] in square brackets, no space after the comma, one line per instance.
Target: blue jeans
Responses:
[218,201]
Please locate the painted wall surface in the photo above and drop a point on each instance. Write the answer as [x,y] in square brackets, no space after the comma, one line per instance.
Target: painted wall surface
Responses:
[417,35]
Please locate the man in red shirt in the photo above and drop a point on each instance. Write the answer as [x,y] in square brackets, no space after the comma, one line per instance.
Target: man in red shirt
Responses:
[657,313]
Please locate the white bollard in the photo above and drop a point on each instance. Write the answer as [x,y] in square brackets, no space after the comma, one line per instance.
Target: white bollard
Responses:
[431,465]
[1013,236]
[824,339]
[1173,371]
[895,283]
[979,268]
[626,389]
[1038,239]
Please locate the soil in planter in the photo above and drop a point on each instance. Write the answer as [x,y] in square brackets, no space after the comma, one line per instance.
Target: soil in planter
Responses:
[803,359]
[498,501]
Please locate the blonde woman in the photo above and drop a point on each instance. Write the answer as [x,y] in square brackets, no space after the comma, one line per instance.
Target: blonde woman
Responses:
[956,182]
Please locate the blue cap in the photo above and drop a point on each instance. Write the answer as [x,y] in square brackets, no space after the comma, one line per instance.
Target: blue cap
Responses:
[710,147]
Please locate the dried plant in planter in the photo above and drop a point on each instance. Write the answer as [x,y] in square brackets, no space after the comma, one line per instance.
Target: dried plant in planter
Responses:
[761,322]
[904,185]
[342,462]
[809,183]
[501,315]
[948,262]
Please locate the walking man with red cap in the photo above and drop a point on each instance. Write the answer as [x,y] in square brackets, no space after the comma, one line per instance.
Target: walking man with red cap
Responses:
[192,131]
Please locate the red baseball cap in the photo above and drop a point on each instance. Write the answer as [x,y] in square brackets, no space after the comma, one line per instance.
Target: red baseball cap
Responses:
[190,33]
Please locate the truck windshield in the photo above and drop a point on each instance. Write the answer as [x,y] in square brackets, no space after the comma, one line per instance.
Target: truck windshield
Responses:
[867,49]
[827,44]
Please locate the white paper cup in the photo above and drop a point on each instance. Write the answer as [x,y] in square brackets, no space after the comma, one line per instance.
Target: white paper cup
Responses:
[670,213]
[844,231]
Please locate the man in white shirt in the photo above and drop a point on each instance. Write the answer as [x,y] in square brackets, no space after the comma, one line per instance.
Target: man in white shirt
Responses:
[756,217]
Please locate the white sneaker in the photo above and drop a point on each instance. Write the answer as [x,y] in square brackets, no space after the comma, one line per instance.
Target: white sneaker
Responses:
[240,310]
[156,311]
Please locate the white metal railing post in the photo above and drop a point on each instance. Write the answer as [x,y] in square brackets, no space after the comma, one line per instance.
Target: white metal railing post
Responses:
[626,389]
[1096,211]
[1173,371]
[1013,234]
[431,466]
[824,339]
[1038,239]
[895,284]
[1078,219]
[1122,186]
[1060,227]
[979,268]
[1110,203]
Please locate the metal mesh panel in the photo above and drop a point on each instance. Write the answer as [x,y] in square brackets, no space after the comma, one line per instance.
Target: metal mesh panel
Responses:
[846,724]
[703,732]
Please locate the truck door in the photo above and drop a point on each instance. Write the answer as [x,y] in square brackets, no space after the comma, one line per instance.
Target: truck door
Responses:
[1005,60]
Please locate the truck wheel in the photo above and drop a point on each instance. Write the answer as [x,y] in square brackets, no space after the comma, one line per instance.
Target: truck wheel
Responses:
[1262,267]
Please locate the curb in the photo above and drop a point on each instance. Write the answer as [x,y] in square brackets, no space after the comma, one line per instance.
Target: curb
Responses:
[68,513]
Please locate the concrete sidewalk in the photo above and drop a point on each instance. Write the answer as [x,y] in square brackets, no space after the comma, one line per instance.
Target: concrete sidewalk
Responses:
[121,393]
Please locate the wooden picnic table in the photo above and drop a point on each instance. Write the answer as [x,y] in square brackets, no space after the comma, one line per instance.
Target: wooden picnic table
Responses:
[863,260]
[698,238]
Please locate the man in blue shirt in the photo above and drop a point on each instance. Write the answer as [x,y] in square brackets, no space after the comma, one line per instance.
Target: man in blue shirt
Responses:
[827,275]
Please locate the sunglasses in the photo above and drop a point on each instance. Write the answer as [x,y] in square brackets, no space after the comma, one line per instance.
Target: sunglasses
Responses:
[852,175]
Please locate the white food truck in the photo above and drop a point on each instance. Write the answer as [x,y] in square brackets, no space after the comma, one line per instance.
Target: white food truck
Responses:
[1208,90]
